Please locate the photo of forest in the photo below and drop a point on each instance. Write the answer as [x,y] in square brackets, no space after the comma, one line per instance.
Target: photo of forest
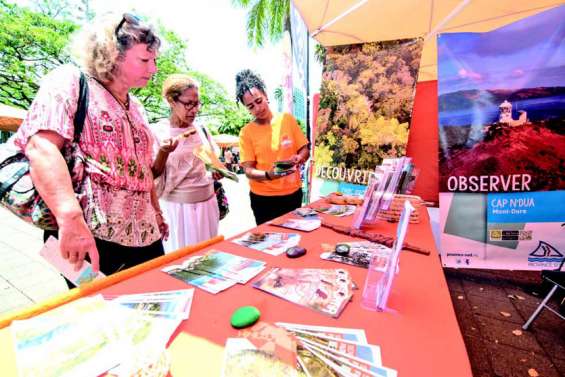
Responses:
[366,100]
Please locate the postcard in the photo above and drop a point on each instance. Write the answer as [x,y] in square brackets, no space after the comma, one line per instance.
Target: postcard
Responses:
[305,225]
[272,243]
[209,282]
[338,210]
[324,290]
[52,254]
[243,359]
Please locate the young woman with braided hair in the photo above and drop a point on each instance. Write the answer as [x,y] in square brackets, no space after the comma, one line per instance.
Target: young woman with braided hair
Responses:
[267,139]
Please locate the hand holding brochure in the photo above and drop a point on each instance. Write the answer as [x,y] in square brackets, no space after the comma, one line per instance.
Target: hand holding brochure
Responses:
[213,163]
[52,254]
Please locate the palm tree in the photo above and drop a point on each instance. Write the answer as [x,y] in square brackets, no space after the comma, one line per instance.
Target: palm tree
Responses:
[266,19]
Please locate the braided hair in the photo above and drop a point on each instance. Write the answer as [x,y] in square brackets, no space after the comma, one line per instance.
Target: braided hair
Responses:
[245,81]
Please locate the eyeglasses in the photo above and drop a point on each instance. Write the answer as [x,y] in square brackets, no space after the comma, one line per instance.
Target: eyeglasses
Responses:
[129,18]
[189,105]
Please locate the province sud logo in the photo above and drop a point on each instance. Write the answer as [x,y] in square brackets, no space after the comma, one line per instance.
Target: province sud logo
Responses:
[545,253]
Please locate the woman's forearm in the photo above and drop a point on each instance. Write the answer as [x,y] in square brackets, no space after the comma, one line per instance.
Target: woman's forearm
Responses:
[159,164]
[51,177]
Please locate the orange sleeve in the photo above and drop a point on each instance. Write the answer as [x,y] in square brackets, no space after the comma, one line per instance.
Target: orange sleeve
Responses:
[246,152]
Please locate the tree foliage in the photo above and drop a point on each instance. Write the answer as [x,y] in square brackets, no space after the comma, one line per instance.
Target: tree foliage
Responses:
[266,19]
[32,44]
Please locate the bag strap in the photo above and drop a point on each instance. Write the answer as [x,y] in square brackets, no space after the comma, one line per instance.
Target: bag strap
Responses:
[82,107]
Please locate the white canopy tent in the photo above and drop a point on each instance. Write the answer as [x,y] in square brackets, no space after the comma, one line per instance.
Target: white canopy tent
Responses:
[337,22]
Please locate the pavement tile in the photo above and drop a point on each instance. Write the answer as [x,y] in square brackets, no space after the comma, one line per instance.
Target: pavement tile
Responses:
[559,365]
[492,308]
[454,284]
[485,289]
[553,342]
[468,324]
[511,362]
[479,355]
[497,330]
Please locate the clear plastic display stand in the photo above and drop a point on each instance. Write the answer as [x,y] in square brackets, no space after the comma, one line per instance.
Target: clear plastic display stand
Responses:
[378,282]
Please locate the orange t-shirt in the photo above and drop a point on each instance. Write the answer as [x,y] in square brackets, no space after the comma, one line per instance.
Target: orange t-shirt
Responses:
[266,144]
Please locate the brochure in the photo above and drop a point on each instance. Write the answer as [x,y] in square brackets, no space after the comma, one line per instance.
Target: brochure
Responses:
[360,254]
[52,254]
[271,242]
[324,290]
[216,270]
[213,163]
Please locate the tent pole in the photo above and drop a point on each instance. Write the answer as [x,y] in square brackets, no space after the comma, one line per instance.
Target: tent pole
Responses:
[458,9]
[344,14]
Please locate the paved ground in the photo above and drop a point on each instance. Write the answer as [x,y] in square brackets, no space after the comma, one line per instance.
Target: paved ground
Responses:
[479,298]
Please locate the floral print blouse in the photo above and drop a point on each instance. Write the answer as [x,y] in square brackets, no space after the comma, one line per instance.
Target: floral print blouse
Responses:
[117,146]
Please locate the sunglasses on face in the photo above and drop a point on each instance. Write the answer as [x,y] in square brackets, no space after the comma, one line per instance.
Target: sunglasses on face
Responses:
[129,18]
[189,105]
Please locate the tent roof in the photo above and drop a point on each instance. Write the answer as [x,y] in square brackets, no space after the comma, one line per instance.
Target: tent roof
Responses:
[381,20]
[10,118]
[226,140]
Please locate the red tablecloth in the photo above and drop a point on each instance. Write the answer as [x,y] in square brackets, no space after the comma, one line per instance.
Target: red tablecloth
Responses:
[421,338]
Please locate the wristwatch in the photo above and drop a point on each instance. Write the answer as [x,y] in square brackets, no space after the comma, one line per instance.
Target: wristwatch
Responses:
[267,175]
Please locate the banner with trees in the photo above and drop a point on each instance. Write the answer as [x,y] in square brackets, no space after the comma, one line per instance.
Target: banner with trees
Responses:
[366,100]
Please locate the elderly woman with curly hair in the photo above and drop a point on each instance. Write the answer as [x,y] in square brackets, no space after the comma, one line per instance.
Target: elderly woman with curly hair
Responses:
[185,189]
[117,222]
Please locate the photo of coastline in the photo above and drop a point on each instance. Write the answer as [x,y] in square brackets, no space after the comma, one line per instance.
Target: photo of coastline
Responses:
[502,107]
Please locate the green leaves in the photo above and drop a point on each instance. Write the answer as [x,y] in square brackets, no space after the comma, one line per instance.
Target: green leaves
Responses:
[266,20]
[32,44]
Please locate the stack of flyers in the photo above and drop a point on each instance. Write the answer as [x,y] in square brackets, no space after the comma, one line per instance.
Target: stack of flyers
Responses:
[324,290]
[271,243]
[216,270]
[334,351]
[52,254]
[305,225]
[165,304]
[263,349]
[360,254]
[77,339]
[338,210]
[305,212]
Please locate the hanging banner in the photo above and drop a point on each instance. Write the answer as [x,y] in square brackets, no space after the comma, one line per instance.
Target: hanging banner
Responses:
[502,145]
[366,100]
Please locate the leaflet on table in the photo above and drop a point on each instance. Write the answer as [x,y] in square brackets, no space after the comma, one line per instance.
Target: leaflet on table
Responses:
[216,270]
[73,340]
[360,253]
[171,304]
[338,210]
[271,242]
[242,358]
[52,254]
[272,339]
[324,290]
[305,225]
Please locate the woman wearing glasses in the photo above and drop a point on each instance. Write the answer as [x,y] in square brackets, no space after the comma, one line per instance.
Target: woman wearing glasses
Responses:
[116,222]
[270,138]
[186,191]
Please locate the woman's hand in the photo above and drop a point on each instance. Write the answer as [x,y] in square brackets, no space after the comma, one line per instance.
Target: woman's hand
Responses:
[168,145]
[163,226]
[76,240]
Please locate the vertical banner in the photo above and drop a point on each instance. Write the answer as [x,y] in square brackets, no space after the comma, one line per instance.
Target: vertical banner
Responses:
[502,145]
[366,100]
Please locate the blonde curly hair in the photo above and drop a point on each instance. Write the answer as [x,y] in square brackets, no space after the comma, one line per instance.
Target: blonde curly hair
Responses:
[99,47]
[175,84]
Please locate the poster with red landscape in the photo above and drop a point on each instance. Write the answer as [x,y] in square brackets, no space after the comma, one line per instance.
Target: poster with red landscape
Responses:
[502,144]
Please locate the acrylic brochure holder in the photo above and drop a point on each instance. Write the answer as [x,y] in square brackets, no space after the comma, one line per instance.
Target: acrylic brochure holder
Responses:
[378,282]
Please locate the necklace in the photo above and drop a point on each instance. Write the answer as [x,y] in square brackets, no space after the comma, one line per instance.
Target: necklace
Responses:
[123,104]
